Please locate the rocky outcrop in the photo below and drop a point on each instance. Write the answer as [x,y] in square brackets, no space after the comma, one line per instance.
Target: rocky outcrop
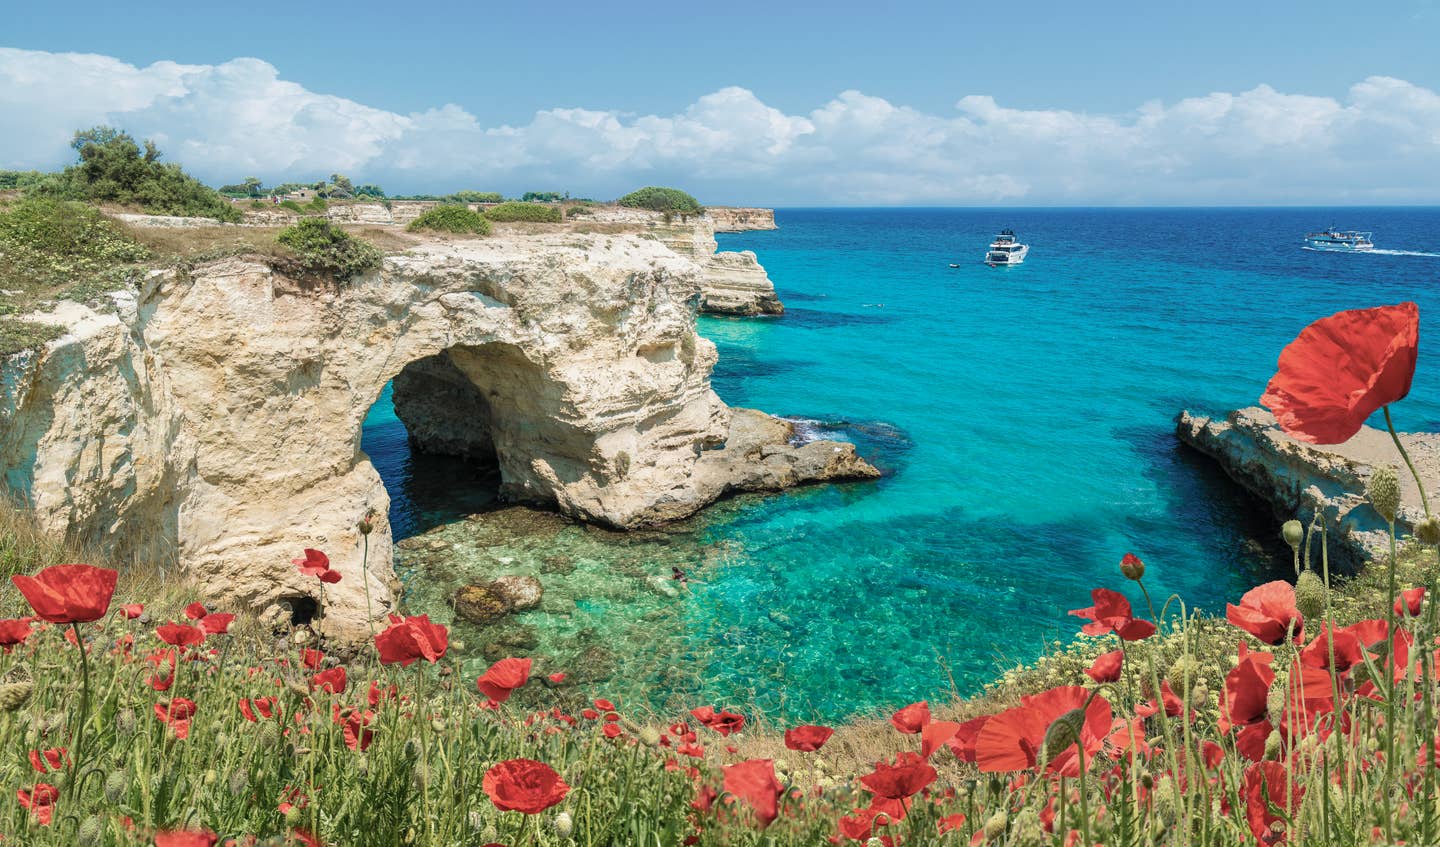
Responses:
[733,283]
[733,219]
[1299,478]
[212,418]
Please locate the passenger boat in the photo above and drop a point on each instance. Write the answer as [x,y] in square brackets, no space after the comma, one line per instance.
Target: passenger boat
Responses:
[1347,241]
[1005,250]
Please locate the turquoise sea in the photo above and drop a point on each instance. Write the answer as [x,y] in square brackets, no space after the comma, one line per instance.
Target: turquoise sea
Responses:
[1023,417]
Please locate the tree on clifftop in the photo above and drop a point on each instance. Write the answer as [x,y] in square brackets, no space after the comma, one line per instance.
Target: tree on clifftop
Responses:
[669,200]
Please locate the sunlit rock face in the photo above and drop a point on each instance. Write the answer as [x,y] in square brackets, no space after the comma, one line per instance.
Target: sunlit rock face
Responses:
[212,418]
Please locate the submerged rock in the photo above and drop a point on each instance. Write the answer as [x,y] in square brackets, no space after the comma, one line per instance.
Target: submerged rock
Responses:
[481,604]
[522,592]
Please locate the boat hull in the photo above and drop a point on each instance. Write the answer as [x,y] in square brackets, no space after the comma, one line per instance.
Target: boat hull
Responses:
[1014,257]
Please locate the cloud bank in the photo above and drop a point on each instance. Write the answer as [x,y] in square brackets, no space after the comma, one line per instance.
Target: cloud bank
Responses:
[1379,143]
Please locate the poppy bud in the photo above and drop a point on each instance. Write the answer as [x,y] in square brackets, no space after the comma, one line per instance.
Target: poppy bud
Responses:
[1062,734]
[1294,533]
[872,841]
[367,523]
[1132,567]
[15,694]
[1382,489]
[564,825]
[995,826]
[1310,595]
[650,736]
[1427,532]
[115,785]
[1147,780]
[1182,675]
[362,765]
[210,777]
[1272,746]
[125,721]
[1277,698]
[1200,695]
[90,831]
[294,815]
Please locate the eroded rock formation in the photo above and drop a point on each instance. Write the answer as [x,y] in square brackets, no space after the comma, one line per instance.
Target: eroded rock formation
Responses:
[736,219]
[213,418]
[1298,478]
[732,283]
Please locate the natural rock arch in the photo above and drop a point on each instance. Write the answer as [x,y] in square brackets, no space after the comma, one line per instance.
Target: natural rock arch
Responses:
[216,415]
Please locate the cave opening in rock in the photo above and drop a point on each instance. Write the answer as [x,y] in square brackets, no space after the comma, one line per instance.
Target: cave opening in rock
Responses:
[429,437]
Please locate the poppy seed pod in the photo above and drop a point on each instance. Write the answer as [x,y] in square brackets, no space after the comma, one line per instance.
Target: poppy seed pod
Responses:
[1427,532]
[1310,595]
[650,736]
[1382,489]
[1294,533]
[564,825]
[90,831]
[1132,567]
[995,826]
[1272,746]
[1182,675]
[1277,698]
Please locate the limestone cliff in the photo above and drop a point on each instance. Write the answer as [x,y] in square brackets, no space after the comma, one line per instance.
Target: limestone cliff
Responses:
[734,219]
[1299,478]
[733,283]
[213,417]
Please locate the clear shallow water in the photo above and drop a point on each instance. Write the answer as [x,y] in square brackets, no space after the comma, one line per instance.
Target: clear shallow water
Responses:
[1023,416]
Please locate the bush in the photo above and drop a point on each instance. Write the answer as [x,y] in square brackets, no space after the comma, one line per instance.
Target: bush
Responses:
[322,247]
[449,218]
[659,199]
[318,206]
[49,242]
[292,206]
[517,211]
[113,169]
[578,211]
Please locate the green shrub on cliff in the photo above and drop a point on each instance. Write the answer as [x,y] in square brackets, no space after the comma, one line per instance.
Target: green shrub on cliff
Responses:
[322,247]
[658,199]
[518,211]
[450,218]
[113,169]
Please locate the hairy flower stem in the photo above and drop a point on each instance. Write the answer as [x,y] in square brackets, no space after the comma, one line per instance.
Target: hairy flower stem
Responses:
[365,579]
[1395,436]
[1084,790]
[1390,685]
[84,712]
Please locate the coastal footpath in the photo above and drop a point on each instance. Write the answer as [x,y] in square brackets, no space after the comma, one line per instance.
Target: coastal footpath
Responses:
[212,417]
[1298,479]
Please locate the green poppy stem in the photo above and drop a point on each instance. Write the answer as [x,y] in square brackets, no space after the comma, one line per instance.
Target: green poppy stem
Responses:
[1395,436]
[84,705]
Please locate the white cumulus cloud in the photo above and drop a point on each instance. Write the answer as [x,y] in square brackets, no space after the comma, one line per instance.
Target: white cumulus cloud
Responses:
[1378,142]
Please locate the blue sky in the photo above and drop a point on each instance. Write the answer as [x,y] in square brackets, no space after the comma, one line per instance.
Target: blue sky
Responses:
[512,65]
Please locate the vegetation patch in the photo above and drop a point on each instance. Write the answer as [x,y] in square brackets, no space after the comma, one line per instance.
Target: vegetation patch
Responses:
[114,169]
[659,199]
[527,212]
[451,218]
[323,248]
[17,335]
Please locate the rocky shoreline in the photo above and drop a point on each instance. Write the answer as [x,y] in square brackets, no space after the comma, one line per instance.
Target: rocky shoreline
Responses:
[1298,479]
[212,417]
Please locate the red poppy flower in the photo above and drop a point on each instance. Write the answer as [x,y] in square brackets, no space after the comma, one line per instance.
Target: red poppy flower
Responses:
[935,734]
[357,736]
[195,611]
[312,659]
[612,730]
[754,782]
[911,719]
[524,785]
[45,761]
[262,706]
[131,611]
[186,838]
[1268,612]
[1343,368]
[556,678]
[1111,613]
[413,638]
[963,742]
[722,722]
[14,631]
[503,677]
[161,681]
[40,800]
[1106,667]
[317,564]
[332,681]
[176,714]
[807,739]
[904,778]
[217,623]
[604,705]
[68,593]
[1247,686]
[180,635]
[1014,739]
[1266,784]
[950,822]
[860,824]
[1408,605]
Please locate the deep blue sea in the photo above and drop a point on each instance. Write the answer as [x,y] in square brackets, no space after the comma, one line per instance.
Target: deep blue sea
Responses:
[1023,417]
